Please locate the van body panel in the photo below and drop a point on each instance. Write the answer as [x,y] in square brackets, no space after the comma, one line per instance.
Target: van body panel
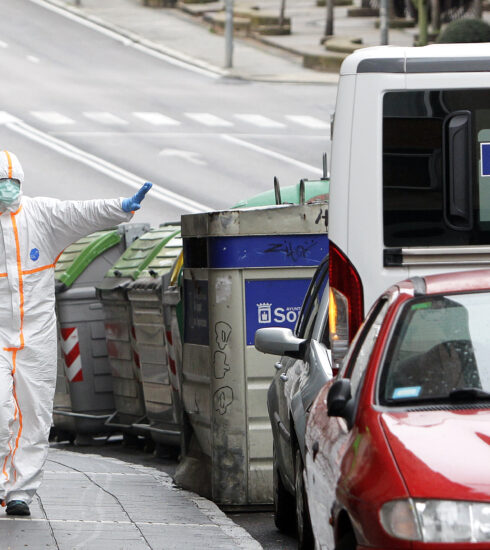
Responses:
[360,159]
[436,58]
[339,172]
[365,200]
[448,80]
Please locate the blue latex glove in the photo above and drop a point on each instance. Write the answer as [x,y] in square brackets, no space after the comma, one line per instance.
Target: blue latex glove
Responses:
[132,204]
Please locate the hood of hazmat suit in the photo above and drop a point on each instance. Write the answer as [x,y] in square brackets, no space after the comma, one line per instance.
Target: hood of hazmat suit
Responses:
[10,169]
[33,233]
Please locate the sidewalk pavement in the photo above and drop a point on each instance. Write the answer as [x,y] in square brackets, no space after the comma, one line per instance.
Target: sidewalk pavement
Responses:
[96,503]
[183,34]
[188,38]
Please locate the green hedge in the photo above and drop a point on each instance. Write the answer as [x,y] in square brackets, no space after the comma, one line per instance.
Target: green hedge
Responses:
[465,30]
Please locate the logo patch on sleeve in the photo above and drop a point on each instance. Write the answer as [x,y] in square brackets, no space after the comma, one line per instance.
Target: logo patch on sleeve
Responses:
[34,254]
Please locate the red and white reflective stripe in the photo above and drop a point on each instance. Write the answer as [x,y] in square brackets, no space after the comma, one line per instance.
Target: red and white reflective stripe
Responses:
[71,354]
[171,360]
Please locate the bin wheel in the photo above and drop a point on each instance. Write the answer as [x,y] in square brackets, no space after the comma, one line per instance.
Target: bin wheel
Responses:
[63,435]
[130,440]
[166,451]
[149,446]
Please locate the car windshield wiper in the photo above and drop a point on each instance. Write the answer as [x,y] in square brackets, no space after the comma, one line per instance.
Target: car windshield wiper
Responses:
[469,394]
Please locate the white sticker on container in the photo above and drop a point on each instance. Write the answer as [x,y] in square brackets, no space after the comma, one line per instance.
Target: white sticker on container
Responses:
[223,289]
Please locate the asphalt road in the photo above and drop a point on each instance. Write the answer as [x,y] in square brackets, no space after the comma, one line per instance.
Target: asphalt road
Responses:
[90,116]
[95,116]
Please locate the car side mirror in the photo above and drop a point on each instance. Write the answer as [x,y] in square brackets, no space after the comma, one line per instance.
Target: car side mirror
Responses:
[279,341]
[340,402]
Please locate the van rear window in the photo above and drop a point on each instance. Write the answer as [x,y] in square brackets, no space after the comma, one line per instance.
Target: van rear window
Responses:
[436,168]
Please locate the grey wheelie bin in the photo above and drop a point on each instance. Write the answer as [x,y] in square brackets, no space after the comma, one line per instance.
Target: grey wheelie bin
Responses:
[243,270]
[173,322]
[122,348]
[146,299]
[83,398]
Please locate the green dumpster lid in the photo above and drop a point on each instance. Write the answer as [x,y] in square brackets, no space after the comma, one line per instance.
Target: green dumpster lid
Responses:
[290,194]
[148,255]
[79,255]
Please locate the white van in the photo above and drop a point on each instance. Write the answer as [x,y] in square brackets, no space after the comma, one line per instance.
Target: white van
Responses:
[410,173]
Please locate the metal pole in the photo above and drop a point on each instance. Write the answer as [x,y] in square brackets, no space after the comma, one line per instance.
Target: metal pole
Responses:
[229,35]
[329,19]
[383,21]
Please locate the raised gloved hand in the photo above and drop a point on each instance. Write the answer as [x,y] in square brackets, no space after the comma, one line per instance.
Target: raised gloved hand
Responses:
[129,205]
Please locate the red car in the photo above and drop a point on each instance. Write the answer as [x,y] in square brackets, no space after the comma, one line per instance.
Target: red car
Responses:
[398,444]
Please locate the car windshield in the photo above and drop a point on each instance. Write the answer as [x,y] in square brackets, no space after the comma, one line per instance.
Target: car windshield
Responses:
[439,351]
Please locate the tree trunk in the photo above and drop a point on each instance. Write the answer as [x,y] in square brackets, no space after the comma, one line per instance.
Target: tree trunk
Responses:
[329,19]
[282,12]
[435,16]
[477,9]
[423,23]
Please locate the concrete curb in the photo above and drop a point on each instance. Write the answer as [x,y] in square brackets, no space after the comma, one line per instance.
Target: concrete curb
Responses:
[212,70]
[238,534]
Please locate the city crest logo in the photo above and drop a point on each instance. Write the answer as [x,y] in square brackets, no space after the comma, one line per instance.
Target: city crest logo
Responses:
[264,313]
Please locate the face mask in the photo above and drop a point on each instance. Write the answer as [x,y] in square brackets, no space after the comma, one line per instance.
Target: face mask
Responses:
[9,190]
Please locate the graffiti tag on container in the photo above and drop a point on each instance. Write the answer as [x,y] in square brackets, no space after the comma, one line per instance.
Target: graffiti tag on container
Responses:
[222,331]
[293,251]
[322,216]
[221,367]
[223,398]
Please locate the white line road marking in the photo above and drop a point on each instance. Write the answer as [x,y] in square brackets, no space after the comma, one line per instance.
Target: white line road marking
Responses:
[309,121]
[103,117]
[3,44]
[280,137]
[273,154]
[260,120]
[168,55]
[157,119]
[52,117]
[208,119]
[102,166]
[6,118]
[33,59]
[190,156]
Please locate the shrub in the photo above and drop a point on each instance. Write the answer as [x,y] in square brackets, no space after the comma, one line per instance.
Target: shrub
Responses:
[465,30]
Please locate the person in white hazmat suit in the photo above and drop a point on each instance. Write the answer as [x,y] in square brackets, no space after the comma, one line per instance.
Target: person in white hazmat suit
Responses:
[33,233]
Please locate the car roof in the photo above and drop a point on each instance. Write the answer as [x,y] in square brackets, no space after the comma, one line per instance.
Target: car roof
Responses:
[460,281]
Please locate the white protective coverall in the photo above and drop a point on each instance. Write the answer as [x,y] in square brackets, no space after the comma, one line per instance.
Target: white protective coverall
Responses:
[33,233]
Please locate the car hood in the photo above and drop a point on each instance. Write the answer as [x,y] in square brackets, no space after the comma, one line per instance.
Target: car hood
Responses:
[442,454]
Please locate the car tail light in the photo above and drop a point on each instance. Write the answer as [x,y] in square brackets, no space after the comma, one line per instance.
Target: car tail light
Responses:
[346,307]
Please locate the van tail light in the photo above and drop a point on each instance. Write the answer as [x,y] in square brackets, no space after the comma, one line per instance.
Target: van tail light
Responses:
[346,306]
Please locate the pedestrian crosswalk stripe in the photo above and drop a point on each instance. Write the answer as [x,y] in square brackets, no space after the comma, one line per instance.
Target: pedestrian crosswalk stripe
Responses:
[157,119]
[208,119]
[52,117]
[309,121]
[104,117]
[260,120]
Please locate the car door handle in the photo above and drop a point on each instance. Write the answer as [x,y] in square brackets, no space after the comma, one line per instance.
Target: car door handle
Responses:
[283,377]
[278,365]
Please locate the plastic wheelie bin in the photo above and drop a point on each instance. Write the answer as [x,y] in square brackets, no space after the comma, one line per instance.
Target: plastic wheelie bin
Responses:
[174,322]
[83,398]
[146,299]
[120,333]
